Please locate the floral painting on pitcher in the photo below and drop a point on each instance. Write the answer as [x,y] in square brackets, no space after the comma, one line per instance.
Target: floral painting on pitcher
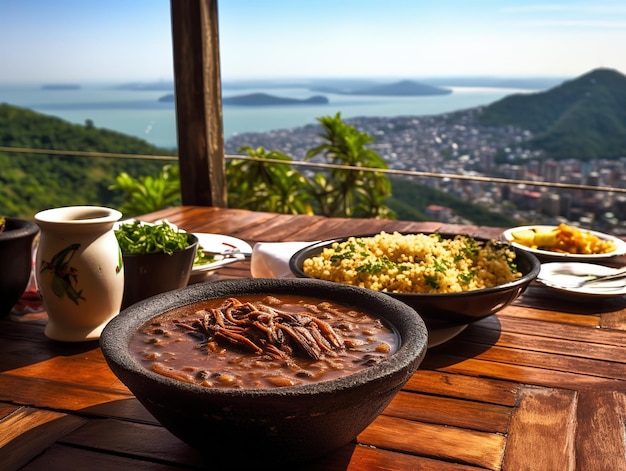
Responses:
[62,276]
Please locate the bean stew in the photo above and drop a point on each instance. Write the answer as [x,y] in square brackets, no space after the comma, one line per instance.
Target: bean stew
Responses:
[261,341]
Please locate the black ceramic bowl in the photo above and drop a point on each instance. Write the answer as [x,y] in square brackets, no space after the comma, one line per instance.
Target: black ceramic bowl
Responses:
[16,254]
[441,310]
[272,425]
[146,275]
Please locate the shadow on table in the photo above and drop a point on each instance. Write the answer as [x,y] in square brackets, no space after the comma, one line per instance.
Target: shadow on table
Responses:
[538,296]
[32,347]
[114,434]
[474,340]
[125,427]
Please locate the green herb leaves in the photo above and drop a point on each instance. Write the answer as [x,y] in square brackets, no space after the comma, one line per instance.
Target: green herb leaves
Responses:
[139,238]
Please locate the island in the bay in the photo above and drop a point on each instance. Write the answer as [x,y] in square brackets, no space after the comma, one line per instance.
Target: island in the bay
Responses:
[401,88]
[60,86]
[265,99]
[262,99]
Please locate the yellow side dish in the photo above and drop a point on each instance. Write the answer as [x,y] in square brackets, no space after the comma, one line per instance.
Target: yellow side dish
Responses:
[415,263]
[563,239]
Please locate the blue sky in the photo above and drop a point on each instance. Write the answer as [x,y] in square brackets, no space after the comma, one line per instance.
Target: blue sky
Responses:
[122,40]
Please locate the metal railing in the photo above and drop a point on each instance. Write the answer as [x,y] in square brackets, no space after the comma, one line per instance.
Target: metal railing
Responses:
[299,163]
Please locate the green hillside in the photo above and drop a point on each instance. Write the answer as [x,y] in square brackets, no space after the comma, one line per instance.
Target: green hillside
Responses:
[410,200]
[584,118]
[32,182]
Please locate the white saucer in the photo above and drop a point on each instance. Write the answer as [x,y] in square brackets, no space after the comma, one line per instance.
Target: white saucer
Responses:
[558,275]
[217,243]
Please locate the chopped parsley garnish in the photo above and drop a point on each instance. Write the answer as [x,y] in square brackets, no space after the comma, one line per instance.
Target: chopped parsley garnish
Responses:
[376,266]
[440,265]
[467,277]
[138,238]
[432,281]
[343,253]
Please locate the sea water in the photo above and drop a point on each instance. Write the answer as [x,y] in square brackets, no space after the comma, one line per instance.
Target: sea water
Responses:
[139,113]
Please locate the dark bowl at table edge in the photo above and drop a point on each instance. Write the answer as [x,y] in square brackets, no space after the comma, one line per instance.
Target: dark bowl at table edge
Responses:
[443,310]
[278,424]
[16,254]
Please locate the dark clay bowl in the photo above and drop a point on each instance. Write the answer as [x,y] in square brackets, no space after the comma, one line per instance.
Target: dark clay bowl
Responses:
[146,275]
[16,254]
[273,425]
[443,310]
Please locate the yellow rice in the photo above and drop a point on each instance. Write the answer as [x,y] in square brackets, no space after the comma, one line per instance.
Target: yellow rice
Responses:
[415,263]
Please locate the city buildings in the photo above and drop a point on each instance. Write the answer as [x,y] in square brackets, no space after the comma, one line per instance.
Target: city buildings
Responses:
[455,144]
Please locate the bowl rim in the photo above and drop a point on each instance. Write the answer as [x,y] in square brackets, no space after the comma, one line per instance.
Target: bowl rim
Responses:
[78,215]
[296,259]
[25,228]
[413,339]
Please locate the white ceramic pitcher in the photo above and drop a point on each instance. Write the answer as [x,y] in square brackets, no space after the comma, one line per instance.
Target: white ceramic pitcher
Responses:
[79,270]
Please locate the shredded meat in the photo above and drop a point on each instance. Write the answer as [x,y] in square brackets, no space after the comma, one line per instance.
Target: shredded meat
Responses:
[265,330]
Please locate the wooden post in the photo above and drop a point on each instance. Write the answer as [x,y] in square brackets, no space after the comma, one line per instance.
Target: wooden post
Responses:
[198,102]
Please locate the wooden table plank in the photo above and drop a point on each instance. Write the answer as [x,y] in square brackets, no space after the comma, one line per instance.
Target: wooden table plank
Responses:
[359,458]
[151,442]
[463,387]
[443,442]
[601,430]
[519,373]
[28,431]
[542,432]
[62,457]
[551,357]
[526,308]
[457,413]
[549,328]
[55,395]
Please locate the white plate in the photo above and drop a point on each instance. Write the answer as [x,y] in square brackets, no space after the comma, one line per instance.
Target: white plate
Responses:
[620,246]
[217,243]
[556,274]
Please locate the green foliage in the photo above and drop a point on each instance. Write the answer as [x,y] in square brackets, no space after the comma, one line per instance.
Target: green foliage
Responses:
[341,192]
[349,193]
[147,194]
[262,186]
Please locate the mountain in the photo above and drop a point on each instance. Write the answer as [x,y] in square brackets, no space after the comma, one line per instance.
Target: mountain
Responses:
[261,99]
[150,86]
[60,86]
[264,99]
[402,88]
[584,118]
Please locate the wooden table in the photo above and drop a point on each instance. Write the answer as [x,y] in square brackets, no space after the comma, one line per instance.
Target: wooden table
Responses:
[539,386]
